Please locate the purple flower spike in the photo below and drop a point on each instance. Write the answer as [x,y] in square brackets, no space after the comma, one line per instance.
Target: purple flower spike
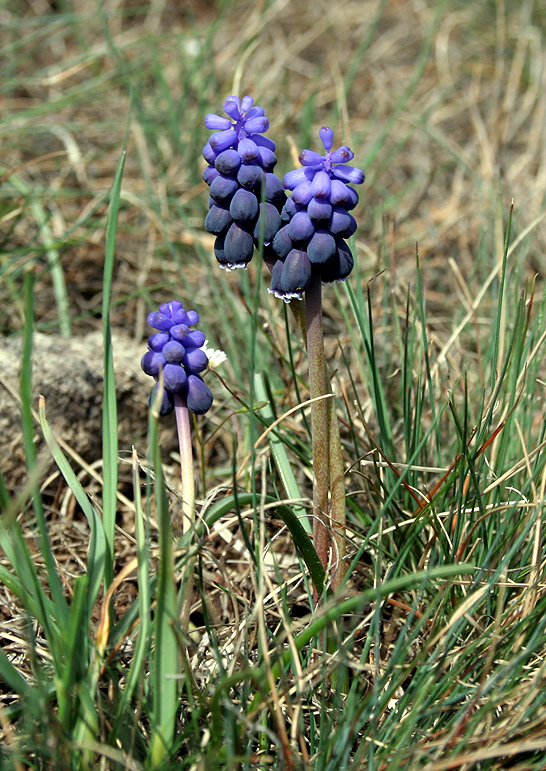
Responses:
[316,220]
[246,198]
[176,351]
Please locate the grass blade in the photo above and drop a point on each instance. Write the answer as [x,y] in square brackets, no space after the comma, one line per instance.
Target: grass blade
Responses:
[109,415]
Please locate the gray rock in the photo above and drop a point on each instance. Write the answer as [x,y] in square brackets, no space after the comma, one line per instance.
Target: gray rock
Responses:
[69,374]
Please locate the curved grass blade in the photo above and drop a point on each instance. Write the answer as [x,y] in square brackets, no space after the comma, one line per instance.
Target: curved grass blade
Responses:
[280,457]
[165,659]
[301,540]
[97,542]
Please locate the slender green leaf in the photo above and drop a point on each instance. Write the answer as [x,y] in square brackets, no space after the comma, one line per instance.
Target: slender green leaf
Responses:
[109,414]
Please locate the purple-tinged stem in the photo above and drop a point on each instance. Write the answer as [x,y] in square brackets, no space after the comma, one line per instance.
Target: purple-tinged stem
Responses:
[183,426]
[337,493]
[318,386]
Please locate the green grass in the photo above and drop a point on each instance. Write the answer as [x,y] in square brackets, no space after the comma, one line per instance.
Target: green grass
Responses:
[432,654]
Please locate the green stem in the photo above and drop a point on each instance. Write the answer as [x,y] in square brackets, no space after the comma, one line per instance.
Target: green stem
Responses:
[318,386]
[337,483]
[183,427]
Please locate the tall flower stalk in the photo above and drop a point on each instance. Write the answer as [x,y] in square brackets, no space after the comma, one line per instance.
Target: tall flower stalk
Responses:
[304,245]
[311,248]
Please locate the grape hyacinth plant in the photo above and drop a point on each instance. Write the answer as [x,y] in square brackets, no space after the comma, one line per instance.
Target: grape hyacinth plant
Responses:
[312,250]
[305,245]
[246,197]
[175,358]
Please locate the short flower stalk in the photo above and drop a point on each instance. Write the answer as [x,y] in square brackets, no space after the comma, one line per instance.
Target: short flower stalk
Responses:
[176,357]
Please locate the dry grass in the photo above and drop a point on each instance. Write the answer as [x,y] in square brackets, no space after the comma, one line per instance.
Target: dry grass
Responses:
[444,105]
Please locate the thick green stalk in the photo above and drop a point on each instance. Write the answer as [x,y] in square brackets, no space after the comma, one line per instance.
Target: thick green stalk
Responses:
[318,386]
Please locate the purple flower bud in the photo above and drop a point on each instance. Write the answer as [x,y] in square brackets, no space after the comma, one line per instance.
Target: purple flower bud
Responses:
[321,185]
[244,206]
[180,332]
[173,352]
[174,376]
[198,395]
[217,220]
[342,155]
[192,318]
[348,174]
[267,158]
[296,274]
[288,210]
[228,162]
[232,107]
[341,223]
[276,275]
[250,176]
[151,362]
[157,341]
[159,321]
[217,123]
[238,246]
[303,193]
[209,154]
[169,308]
[274,191]
[294,178]
[300,227]
[195,339]
[308,158]
[248,150]
[257,125]
[195,360]
[222,140]
[282,243]
[219,251]
[210,174]
[264,142]
[353,198]
[180,317]
[319,209]
[327,136]
[269,221]
[339,195]
[254,112]
[339,266]
[223,189]
[321,247]
[246,103]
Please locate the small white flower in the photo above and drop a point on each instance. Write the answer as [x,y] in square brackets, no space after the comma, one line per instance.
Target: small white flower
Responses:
[215,357]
